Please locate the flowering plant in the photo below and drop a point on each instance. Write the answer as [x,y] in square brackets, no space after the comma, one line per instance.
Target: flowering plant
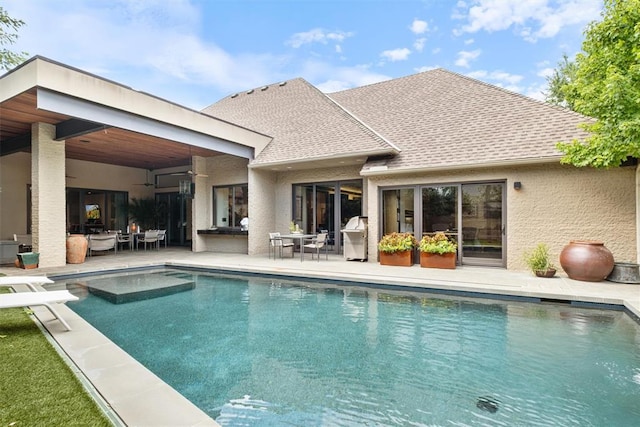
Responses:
[439,243]
[397,242]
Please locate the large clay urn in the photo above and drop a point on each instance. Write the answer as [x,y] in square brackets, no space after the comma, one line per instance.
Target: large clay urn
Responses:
[586,260]
[76,248]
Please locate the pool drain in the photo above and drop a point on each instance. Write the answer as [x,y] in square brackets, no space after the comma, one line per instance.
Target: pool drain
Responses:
[487,404]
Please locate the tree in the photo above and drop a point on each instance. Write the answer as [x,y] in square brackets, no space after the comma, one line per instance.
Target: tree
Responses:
[559,82]
[8,25]
[607,87]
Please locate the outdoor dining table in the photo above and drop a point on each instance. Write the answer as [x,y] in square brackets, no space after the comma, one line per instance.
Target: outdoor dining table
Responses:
[301,238]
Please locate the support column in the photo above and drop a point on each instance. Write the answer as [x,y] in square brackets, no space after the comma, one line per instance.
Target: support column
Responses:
[201,203]
[48,197]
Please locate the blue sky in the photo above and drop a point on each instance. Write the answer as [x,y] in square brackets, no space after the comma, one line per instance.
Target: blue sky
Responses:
[195,52]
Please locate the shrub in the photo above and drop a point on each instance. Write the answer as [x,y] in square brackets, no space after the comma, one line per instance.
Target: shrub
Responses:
[437,244]
[397,242]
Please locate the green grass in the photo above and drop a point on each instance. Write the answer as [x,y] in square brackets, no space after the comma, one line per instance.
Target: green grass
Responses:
[37,388]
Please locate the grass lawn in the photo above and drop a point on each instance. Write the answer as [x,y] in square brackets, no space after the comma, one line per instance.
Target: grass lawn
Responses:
[37,388]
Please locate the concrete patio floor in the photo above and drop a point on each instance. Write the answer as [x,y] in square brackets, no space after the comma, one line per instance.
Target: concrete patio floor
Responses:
[134,396]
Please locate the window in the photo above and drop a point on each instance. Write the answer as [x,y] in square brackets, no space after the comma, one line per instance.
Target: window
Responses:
[230,205]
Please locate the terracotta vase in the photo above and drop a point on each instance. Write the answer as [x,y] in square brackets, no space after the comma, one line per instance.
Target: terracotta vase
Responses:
[76,248]
[402,258]
[586,260]
[429,260]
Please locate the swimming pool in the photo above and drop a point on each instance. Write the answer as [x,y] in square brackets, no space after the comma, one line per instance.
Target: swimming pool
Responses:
[252,351]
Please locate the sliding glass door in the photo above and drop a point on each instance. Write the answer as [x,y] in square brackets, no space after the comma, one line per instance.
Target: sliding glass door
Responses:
[472,214]
[327,206]
[482,223]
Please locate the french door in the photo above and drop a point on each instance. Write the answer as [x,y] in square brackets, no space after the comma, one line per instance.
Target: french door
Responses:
[472,214]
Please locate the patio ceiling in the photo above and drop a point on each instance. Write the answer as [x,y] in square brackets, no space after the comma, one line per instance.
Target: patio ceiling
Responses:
[91,141]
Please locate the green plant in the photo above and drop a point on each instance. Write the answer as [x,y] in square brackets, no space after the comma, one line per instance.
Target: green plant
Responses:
[439,243]
[538,258]
[397,242]
[146,212]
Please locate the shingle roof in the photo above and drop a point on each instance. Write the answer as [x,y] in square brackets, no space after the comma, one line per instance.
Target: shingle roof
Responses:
[305,124]
[438,119]
[441,119]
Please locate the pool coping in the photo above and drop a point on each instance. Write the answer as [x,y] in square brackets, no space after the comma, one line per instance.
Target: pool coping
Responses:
[138,397]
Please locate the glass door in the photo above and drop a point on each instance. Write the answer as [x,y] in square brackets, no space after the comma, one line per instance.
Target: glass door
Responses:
[326,207]
[397,211]
[482,227]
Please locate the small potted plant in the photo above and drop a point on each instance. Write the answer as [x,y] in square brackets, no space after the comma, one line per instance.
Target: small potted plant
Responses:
[539,262]
[397,249]
[437,251]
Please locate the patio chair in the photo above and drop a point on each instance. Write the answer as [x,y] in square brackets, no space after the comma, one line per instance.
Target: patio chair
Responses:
[276,244]
[31,299]
[318,243]
[102,242]
[151,237]
[124,239]
[162,237]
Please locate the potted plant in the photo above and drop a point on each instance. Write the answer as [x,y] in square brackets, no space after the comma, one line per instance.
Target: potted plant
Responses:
[539,262]
[437,251]
[397,249]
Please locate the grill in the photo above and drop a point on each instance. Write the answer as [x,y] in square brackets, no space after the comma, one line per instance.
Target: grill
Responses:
[355,238]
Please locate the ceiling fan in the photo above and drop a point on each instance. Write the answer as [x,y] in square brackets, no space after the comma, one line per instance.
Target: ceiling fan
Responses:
[147,183]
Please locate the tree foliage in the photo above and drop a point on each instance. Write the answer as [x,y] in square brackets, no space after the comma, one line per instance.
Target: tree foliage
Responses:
[606,87]
[8,26]
[559,84]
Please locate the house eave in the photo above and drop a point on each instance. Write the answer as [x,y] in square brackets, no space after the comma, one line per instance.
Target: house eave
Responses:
[323,161]
[384,171]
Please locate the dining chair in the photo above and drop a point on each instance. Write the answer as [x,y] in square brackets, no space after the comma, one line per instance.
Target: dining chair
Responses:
[162,237]
[319,242]
[151,237]
[276,244]
[124,239]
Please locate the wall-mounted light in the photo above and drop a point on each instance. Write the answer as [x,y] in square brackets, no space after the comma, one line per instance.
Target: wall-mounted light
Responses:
[185,187]
[517,185]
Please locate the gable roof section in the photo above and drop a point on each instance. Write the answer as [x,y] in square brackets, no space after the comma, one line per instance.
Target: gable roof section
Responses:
[443,120]
[305,124]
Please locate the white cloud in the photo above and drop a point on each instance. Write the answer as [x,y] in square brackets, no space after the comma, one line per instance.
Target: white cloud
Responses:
[531,19]
[342,78]
[464,57]
[426,68]
[545,72]
[500,78]
[469,41]
[317,35]
[419,27]
[418,45]
[436,50]
[401,54]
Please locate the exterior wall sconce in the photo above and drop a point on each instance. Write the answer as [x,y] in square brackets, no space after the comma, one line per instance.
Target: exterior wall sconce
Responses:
[517,185]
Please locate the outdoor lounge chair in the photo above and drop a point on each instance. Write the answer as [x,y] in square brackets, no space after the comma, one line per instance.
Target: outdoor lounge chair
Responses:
[30,281]
[30,299]
[102,242]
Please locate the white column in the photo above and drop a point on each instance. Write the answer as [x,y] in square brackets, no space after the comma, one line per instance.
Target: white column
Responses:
[262,208]
[48,199]
[200,204]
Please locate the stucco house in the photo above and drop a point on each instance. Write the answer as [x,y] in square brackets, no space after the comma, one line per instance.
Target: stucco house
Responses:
[427,152]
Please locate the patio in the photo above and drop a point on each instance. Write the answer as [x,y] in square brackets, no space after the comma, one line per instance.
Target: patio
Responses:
[138,397]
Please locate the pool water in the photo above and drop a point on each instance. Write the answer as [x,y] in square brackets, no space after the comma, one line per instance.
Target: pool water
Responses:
[264,352]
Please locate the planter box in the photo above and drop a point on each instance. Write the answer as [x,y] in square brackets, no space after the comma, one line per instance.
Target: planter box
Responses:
[429,260]
[403,259]
[28,260]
